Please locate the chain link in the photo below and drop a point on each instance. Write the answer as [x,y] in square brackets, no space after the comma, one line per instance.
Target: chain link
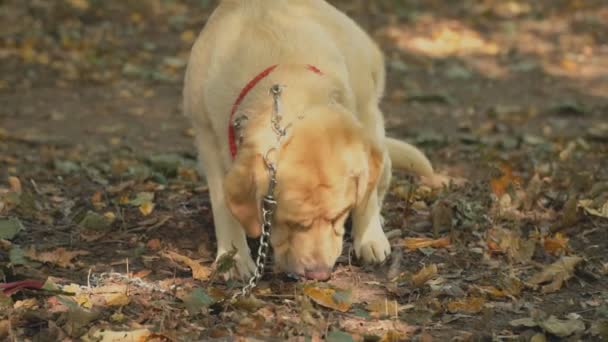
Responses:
[269,203]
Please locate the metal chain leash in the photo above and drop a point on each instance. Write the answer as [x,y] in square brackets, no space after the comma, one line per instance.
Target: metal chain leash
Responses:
[269,203]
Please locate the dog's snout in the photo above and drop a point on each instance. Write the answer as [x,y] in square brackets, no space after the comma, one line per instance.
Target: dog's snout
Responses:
[319,273]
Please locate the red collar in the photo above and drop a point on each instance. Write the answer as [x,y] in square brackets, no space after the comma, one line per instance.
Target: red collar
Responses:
[243,93]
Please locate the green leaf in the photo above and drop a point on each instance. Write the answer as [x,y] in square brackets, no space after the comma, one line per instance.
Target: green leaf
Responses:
[95,221]
[197,300]
[9,228]
[141,198]
[339,336]
[6,302]
[17,257]
[66,166]
[342,296]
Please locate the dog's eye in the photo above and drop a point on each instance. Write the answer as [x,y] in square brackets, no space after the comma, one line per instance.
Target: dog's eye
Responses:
[296,226]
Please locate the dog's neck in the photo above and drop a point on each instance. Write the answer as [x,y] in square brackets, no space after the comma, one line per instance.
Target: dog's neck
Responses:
[303,88]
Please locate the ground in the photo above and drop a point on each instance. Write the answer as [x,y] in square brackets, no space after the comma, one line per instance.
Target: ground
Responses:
[100,200]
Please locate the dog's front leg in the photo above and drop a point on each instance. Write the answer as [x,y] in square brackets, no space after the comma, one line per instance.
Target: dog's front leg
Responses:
[228,230]
[370,242]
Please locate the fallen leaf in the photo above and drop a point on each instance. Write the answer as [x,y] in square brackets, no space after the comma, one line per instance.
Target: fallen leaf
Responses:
[146,208]
[226,262]
[103,335]
[417,243]
[556,274]
[599,212]
[493,291]
[600,328]
[15,184]
[425,274]
[339,336]
[470,305]
[383,330]
[500,240]
[199,272]
[556,245]
[538,338]
[501,184]
[96,222]
[384,307]
[197,300]
[142,198]
[326,297]
[5,326]
[442,216]
[60,257]
[562,328]
[153,244]
[9,228]
[97,200]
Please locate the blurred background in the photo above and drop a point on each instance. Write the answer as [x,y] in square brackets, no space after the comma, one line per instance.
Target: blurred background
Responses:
[111,71]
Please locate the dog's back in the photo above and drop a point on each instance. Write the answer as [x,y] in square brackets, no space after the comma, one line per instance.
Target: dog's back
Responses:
[259,33]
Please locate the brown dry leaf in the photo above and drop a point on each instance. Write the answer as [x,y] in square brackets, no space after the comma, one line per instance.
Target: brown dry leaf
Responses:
[493,291]
[330,298]
[501,240]
[502,183]
[384,307]
[199,272]
[153,244]
[5,327]
[425,274]
[15,184]
[470,305]
[386,328]
[97,200]
[416,243]
[60,257]
[556,245]
[556,274]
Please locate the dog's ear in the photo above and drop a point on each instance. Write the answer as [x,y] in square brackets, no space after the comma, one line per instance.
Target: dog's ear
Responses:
[367,182]
[240,188]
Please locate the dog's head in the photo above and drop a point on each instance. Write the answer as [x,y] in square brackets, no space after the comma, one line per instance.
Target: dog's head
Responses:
[327,167]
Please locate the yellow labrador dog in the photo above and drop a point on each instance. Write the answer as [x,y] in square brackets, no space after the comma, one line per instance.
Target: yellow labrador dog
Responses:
[334,159]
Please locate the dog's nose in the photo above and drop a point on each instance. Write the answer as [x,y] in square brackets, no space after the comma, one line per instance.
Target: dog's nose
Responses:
[321,274]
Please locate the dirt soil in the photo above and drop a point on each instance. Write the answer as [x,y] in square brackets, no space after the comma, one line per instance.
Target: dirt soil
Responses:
[101,202]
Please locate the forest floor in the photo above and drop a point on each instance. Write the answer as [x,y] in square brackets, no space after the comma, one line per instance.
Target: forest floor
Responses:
[103,213]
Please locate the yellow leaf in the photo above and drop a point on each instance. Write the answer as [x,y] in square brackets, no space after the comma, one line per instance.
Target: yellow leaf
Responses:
[328,298]
[124,200]
[82,5]
[425,274]
[187,36]
[116,299]
[469,305]
[199,272]
[104,335]
[146,208]
[416,243]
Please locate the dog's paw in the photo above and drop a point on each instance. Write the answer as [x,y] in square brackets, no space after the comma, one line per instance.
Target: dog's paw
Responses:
[242,268]
[373,247]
